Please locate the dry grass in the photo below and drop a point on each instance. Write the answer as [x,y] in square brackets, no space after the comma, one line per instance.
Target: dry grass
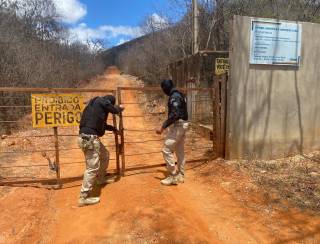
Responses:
[295,179]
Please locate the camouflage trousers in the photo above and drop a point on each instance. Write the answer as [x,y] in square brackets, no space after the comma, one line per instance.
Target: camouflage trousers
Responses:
[97,160]
[174,143]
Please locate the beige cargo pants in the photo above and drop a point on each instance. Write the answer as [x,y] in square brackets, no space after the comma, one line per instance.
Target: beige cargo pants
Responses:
[97,160]
[174,143]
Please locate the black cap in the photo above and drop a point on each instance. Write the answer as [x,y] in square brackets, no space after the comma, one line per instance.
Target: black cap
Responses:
[167,86]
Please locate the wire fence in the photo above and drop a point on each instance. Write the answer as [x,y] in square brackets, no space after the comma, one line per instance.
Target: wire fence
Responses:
[28,153]
[31,153]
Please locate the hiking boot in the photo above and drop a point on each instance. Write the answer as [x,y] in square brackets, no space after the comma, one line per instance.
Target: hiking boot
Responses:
[180,178]
[170,180]
[88,201]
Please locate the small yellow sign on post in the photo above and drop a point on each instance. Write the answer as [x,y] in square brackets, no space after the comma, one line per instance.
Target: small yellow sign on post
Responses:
[53,110]
[222,66]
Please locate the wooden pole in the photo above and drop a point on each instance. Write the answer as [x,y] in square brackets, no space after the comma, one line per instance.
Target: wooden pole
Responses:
[223,114]
[56,145]
[213,118]
[195,31]
[217,117]
[123,161]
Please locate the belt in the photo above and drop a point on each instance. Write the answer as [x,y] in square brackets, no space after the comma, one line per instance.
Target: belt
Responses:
[88,137]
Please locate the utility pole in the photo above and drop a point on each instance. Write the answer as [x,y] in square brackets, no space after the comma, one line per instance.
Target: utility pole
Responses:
[195,27]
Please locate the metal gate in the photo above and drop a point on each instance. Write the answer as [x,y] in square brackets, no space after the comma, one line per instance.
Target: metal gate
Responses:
[146,110]
[46,156]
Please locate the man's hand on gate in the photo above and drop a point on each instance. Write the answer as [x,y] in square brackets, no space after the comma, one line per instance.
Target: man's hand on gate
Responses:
[116,132]
[159,130]
[120,108]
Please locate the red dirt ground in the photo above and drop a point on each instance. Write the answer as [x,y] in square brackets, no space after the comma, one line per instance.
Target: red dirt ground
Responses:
[216,204]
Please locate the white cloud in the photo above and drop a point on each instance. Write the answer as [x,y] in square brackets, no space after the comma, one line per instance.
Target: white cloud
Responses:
[121,41]
[116,31]
[84,33]
[157,21]
[70,11]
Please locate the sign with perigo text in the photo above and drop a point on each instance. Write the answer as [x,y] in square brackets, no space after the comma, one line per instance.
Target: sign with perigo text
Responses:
[275,42]
[53,110]
[222,66]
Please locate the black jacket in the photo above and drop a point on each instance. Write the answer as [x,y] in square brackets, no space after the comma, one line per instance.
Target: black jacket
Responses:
[95,115]
[177,108]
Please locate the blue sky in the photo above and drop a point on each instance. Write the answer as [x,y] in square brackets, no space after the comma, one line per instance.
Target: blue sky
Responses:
[115,21]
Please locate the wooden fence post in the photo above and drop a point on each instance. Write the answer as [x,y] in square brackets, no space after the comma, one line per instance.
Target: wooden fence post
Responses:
[223,113]
[217,121]
[213,119]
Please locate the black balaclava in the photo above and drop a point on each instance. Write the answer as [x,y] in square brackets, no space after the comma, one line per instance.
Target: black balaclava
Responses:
[167,86]
[111,98]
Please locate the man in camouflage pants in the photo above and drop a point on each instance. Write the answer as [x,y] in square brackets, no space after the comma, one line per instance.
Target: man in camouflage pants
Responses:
[93,126]
[177,123]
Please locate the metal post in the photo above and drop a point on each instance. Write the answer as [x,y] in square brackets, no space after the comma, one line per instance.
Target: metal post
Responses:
[123,161]
[195,31]
[116,139]
[57,161]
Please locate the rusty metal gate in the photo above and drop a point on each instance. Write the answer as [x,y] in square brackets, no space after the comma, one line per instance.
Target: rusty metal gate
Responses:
[146,110]
[46,156]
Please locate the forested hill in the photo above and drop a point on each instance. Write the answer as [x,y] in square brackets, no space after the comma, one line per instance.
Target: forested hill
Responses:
[112,56]
[148,56]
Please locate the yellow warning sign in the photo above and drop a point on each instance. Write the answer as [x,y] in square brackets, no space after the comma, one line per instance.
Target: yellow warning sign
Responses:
[222,66]
[53,110]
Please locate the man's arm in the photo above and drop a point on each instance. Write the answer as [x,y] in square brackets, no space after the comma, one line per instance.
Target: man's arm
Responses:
[173,116]
[174,113]
[110,127]
[114,109]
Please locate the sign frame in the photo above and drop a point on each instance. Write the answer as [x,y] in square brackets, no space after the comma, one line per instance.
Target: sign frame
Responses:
[56,109]
[275,42]
[223,70]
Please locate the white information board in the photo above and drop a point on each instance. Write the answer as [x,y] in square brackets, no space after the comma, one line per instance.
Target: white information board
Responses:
[275,42]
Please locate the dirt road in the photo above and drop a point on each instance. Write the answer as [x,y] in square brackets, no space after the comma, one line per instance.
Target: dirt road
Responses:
[137,209]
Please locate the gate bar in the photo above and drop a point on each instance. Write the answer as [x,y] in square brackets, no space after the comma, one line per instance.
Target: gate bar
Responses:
[28,89]
[116,139]
[123,162]
[56,144]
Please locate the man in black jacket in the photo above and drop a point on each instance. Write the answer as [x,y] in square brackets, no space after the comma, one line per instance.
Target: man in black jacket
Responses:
[177,123]
[93,125]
